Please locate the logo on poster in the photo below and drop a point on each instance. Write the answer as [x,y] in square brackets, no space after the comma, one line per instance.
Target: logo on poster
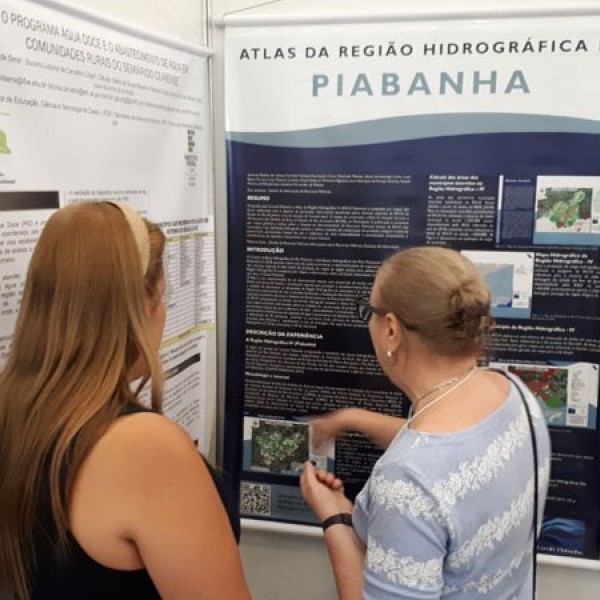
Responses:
[4,149]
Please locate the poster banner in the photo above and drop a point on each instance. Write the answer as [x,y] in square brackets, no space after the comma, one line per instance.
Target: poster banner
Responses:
[92,112]
[347,142]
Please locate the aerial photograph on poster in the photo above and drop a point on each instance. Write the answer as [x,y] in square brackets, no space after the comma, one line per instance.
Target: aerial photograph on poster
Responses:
[567,210]
[567,392]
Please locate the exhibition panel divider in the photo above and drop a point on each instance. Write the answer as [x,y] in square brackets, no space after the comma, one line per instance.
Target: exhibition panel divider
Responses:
[347,141]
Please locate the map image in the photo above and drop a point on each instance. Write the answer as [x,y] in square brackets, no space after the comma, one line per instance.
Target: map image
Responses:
[550,387]
[565,209]
[280,447]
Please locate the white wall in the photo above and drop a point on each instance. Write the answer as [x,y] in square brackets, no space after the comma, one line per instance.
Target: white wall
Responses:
[281,566]
[183,20]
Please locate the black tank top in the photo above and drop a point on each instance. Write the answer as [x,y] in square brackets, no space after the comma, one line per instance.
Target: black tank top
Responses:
[80,577]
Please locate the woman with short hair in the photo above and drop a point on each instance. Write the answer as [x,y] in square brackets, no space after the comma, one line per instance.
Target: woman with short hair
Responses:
[449,507]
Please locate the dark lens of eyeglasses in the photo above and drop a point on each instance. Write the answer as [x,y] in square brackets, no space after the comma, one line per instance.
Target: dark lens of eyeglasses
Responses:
[365,312]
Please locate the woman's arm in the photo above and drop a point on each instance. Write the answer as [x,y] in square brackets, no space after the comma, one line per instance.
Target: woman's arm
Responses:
[347,557]
[174,515]
[379,428]
[324,493]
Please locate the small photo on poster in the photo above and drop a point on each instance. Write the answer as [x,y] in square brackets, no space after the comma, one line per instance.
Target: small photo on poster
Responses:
[567,210]
[509,275]
[281,447]
[567,392]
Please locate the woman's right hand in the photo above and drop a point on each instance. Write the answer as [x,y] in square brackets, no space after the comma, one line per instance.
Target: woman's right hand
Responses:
[327,427]
[380,429]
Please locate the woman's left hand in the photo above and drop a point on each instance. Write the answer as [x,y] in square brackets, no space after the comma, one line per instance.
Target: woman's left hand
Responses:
[323,492]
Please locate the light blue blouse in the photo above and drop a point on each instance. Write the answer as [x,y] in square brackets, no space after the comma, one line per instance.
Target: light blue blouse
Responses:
[450,515]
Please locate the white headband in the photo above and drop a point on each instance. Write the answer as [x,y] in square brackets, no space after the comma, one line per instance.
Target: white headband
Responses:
[139,231]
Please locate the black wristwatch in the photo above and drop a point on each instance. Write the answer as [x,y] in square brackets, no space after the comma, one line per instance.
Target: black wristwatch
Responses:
[339,519]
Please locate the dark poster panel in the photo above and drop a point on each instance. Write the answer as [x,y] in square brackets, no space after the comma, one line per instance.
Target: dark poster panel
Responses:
[307,230]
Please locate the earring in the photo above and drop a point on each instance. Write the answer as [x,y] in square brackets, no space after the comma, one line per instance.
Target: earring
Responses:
[390,354]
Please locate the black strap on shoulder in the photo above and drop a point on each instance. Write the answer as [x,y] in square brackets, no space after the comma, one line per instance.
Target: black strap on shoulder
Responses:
[518,384]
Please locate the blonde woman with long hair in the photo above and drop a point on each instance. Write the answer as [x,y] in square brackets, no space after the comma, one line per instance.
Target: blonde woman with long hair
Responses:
[100,498]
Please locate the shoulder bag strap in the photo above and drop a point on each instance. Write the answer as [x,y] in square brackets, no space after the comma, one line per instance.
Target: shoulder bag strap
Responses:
[518,384]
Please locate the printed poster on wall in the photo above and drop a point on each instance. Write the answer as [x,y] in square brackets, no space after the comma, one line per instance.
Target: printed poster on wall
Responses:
[347,142]
[91,112]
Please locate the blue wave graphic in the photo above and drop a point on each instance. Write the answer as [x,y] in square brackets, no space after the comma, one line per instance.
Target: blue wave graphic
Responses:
[562,533]
[417,127]
[525,155]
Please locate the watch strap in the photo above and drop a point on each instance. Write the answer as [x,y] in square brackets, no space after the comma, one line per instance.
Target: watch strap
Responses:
[339,519]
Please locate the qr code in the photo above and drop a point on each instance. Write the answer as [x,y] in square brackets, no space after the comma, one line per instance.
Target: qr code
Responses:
[255,499]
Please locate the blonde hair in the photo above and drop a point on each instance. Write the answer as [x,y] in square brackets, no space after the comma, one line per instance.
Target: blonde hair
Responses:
[439,294]
[81,327]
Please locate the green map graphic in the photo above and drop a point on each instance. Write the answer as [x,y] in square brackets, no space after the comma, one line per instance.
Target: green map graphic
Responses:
[279,447]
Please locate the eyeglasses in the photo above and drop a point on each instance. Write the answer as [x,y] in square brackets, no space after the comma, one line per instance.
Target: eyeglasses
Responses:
[365,310]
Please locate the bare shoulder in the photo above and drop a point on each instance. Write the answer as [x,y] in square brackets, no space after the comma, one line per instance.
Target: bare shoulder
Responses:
[143,450]
[478,398]
[144,497]
[134,462]
[147,431]
[500,382]
[151,440]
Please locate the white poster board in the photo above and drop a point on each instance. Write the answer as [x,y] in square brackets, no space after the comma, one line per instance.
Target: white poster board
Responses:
[93,110]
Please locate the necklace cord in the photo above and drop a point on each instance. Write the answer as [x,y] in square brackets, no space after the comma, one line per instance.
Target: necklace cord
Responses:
[441,396]
[438,387]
